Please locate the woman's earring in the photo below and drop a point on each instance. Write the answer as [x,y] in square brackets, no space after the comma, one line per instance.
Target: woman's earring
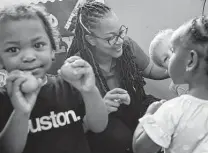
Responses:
[3,77]
[53,55]
[188,69]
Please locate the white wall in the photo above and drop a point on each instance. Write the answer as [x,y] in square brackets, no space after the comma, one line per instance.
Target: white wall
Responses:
[146,17]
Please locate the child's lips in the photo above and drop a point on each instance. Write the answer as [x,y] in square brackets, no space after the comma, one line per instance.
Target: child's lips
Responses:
[32,69]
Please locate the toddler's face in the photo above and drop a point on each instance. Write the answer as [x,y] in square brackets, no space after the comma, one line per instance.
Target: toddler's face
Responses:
[25,46]
[163,53]
[179,58]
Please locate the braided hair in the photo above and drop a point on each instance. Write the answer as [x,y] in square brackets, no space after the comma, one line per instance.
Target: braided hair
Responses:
[87,18]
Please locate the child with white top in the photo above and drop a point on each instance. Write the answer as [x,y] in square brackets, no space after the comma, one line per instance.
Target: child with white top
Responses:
[180,125]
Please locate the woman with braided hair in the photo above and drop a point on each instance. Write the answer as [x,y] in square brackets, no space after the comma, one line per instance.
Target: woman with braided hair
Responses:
[119,65]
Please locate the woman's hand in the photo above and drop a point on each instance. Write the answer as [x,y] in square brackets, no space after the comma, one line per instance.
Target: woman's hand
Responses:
[115,97]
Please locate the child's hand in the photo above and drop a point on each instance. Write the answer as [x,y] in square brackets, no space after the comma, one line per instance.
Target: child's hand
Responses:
[154,106]
[30,85]
[79,73]
[115,97]
[22,95]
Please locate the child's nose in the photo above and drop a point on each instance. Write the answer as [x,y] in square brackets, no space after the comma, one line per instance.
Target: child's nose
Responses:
[28,56]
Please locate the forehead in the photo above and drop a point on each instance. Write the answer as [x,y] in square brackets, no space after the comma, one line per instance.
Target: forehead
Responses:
[162,49]
[109,23]
[162,44]
[23,29]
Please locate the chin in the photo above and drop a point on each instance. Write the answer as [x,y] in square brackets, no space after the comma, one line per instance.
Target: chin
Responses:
[39,74]
[118,54]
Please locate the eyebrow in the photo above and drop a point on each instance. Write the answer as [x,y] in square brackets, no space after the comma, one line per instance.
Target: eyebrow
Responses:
[111,33]
[12,42]
[37,38]
[18,43]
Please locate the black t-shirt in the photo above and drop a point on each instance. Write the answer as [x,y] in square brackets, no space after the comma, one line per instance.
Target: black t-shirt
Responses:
[55,124]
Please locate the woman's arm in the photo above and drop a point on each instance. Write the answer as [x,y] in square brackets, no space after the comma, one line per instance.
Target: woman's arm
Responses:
[154,72]
[149,69]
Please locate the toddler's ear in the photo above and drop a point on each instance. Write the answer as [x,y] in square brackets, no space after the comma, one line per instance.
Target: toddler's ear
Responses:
[193,60]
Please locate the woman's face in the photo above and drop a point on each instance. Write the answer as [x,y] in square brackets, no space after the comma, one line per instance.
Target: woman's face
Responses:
[106,34]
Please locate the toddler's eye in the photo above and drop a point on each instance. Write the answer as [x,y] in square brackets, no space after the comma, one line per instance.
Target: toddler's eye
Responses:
[12,50]
[39,45]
